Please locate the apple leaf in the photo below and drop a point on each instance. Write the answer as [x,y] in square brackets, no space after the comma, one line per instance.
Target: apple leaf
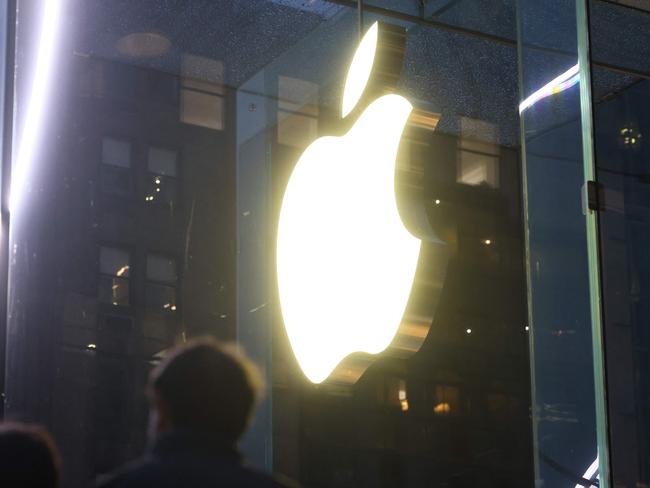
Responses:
[360,69]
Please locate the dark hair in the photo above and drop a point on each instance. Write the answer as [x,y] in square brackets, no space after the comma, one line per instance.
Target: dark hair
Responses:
[28,457]
[209,388]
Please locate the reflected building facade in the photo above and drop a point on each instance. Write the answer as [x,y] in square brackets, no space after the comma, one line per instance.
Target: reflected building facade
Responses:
[152,219]
[151,253]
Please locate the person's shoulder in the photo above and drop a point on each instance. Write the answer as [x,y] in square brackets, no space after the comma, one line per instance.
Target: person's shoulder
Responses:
[264,480]
[138,473]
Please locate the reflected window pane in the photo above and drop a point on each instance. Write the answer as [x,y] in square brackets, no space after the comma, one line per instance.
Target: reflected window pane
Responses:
[297,95]
[162,161]
[161,297]
[114,261]
[162,89]
[447,400]
[161,189]
[478,169]
[113,290]
[202,109]
[296,130]
[478,153]
[161,269]
[297,111]
[202,73]
[116,152]
[116,180]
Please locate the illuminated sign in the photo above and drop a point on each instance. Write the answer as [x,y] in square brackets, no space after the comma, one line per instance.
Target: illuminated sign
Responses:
[345,260]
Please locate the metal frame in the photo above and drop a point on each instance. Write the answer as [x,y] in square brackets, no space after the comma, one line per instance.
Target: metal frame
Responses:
[5,180]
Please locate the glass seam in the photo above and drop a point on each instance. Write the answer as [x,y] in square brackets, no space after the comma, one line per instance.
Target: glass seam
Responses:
[526,232]
[591,222]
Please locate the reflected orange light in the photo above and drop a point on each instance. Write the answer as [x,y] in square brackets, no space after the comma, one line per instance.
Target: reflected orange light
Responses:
[442,408]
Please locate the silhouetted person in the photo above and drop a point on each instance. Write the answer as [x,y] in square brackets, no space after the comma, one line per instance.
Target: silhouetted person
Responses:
[28,457]
[202,396]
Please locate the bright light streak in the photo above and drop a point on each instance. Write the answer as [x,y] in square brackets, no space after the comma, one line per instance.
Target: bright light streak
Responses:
[591,471]
[122,270]
[38,97]
[360,69]
[566,80]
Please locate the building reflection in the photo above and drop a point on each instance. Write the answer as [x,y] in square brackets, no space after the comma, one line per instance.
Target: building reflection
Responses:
[160,246]
[147,171]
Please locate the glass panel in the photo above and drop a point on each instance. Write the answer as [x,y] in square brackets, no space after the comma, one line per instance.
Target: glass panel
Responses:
[267,76]
[390,428]
[621,99]
[568,418]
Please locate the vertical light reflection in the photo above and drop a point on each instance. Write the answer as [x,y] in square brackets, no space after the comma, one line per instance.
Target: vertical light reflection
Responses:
[37,100]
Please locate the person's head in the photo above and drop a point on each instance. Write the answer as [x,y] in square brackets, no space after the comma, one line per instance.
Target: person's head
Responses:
[205,387]
[28,457]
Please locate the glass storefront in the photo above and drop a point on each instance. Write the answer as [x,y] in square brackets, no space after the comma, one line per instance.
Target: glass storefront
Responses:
[152,146]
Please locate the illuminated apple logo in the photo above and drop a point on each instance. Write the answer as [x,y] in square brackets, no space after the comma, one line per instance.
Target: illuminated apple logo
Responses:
[345,260]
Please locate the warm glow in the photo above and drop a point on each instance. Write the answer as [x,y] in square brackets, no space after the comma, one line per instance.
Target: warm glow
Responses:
[442,408]
[360,70]
[345,261]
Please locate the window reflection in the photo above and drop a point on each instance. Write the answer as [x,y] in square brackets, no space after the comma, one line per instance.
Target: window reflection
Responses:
[297,111]
[116,152]
[447,400]
[478,161]
[202,101]
[115,170]
[161,283]
[162,186]
[161,130]
[114,269]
